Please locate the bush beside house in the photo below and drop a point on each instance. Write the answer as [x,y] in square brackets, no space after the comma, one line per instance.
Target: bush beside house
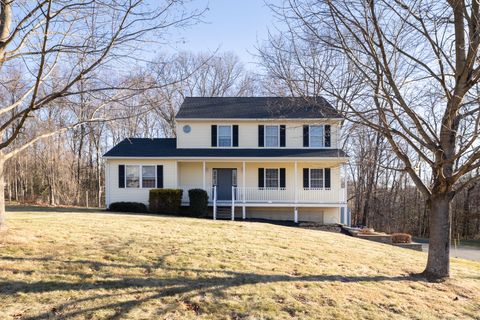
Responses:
[198,202]
[166,201]
[128,207]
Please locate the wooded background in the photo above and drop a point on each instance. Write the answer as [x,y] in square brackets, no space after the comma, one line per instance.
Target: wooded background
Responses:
[67,168]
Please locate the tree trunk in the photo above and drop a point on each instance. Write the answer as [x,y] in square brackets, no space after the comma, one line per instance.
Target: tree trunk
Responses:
[438,264]
[2,192]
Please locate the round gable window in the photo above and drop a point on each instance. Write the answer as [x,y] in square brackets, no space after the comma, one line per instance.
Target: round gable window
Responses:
[187,128]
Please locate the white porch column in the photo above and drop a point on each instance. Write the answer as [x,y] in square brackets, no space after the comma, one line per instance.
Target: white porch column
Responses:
[243,183]
[204,177]
[176,174]
[295,215]
[244,213]
[295,183]
[233,203]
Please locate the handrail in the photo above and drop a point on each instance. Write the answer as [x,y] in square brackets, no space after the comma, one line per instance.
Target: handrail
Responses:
[287,195]
[233,202]
[214,202]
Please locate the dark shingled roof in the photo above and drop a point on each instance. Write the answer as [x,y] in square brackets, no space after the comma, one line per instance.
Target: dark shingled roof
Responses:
[140,147]
[256,108]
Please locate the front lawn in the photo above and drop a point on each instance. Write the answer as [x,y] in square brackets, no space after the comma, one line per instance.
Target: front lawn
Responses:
[86,264]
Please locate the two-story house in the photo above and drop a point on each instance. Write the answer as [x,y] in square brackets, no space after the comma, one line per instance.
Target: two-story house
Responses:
[257,157]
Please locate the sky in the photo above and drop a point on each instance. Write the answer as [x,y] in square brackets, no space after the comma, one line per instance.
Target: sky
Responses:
[229,25]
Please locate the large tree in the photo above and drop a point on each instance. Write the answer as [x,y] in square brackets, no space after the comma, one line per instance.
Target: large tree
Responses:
[74,51]
[408,70]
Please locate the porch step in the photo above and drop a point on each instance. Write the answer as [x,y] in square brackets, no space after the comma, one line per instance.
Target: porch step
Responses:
[224,213]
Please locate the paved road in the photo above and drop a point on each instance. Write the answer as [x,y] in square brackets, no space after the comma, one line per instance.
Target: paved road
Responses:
[464,252]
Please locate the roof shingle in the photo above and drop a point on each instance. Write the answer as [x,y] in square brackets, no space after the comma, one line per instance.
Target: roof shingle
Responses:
[256,108]
[166,148]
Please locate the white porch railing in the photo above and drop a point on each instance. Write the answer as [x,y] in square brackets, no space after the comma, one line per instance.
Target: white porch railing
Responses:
[275,195]
[288,195]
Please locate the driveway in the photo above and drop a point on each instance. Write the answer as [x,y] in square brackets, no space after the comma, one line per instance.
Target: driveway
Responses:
[464,252]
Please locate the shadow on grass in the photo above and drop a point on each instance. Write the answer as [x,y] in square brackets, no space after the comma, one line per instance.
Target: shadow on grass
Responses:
[206,281]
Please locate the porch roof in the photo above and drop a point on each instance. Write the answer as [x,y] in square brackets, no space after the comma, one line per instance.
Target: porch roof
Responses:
[167,148]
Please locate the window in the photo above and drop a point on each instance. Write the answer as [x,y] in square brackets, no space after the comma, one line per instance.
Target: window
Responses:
[148,177]
[316,178]
[234,177]
[214,177]
[271,136]
[316,136]
[271,178]
[132,176]
[224,136]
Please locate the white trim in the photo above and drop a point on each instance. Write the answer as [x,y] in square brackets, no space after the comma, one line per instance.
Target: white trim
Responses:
[244,169]
[204,176]
[323,136]
[218,135]
[107,184]
[295,182]
[265,178]
[278,137]
[140,175]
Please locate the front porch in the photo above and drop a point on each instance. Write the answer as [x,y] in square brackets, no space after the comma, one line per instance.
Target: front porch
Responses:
[244,188]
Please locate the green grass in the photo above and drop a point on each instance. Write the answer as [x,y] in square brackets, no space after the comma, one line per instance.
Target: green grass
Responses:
[96,265]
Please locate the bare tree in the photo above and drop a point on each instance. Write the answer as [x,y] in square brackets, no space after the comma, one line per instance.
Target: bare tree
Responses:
[76,39]
[205,75]
[416,71]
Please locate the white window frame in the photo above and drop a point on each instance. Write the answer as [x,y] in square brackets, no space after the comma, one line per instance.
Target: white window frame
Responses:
[322,144]
[265,135]
[140,176]
[155,176]
[265,179]
[310,179]
[218,135]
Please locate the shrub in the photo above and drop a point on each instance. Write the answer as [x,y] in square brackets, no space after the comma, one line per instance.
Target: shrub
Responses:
[198,202]
[401,238]
[367,231]
[127,207]
[165,200]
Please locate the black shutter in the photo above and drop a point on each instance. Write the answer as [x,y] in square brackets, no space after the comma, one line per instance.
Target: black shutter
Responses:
[261,136]
[261,177]
[306,142]
[306,178]
[282,135]
[282,178]
[328,140]
[121,176]
[327,177]
[160,177]
[235,136]
[214,135]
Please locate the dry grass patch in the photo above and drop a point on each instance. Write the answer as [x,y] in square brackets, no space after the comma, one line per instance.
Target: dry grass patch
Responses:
[91,265]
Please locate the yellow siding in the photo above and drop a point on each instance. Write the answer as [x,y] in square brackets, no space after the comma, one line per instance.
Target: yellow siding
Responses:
[116,194]
[190,175]
[200,134]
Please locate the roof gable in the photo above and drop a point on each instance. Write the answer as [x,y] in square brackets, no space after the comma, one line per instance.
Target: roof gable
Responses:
[256,108]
